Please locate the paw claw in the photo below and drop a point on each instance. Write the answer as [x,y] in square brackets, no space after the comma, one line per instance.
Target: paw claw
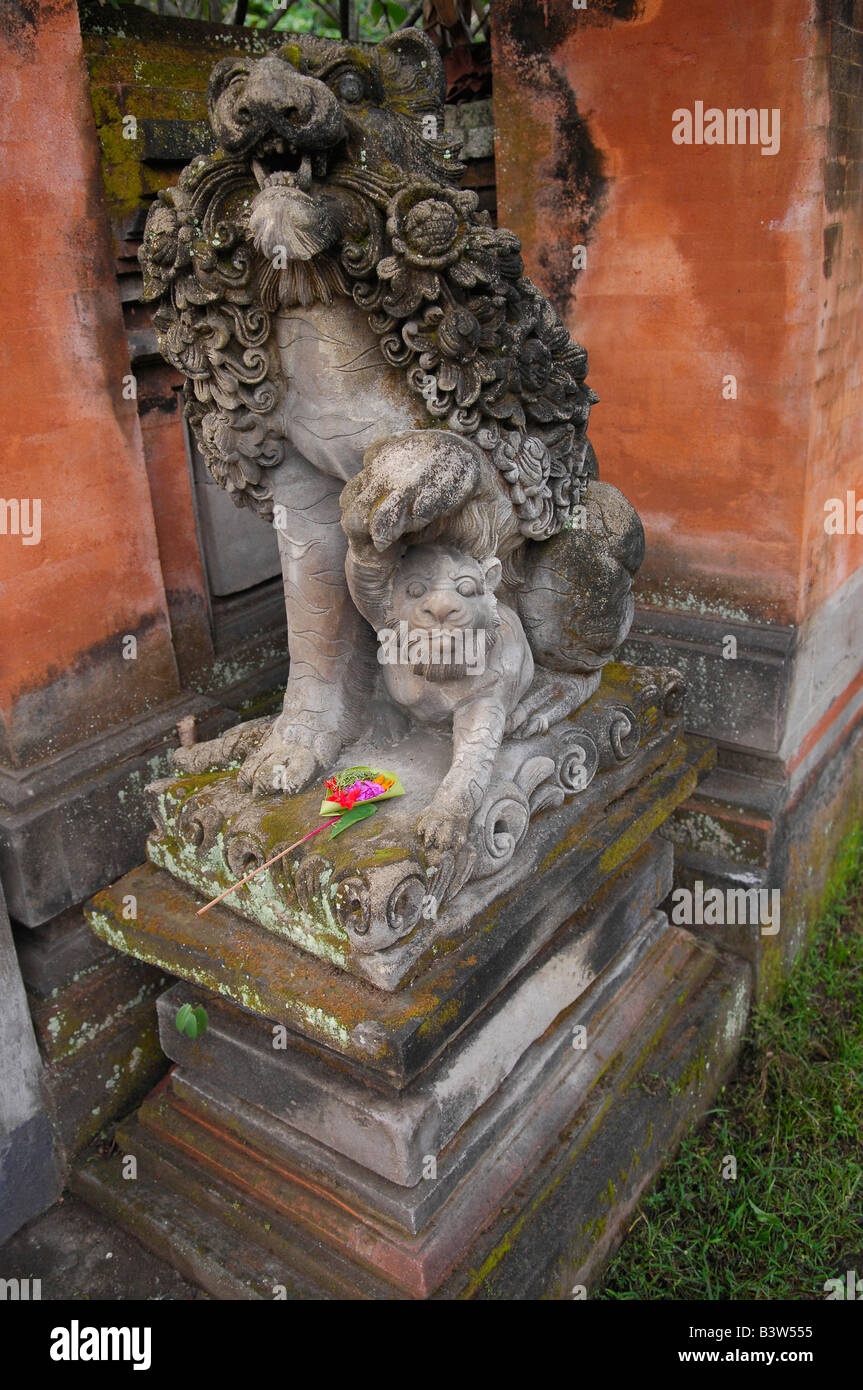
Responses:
[537,725]
[280,769]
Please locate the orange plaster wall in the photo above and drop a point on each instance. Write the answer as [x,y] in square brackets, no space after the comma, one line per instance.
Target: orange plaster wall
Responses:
[836,435]
[702,261]
[69,437]
[160,407]
[171,489]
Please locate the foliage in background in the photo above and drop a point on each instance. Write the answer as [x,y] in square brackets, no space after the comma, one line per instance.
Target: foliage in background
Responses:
[374,18]
[792,1117]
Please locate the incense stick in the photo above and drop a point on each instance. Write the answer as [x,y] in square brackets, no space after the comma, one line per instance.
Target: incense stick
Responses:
[260,869]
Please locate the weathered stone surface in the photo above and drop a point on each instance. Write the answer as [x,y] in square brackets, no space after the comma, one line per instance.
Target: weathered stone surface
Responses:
[471,123]
[29,1167]
[376,902]
[92,1087]
[450,1187]
[399,1128]
[394,1035]
[77,820]
[393,1133]
[211,1252]
[53,954]
[739,831]
[555,1228]
[79,1255]
[76,1017]
[741,702]
[581,1198]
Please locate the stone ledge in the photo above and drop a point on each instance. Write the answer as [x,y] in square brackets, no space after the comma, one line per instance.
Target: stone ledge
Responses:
[743,702]
[392,1133]
[244,1227]
[73,822]
[393,1035]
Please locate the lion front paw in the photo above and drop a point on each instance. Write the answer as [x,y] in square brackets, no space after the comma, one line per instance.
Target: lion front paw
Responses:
[278,766]
[408,483]
[218,753]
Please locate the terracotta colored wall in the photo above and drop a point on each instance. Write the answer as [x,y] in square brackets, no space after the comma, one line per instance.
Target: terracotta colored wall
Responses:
[160,408]
[836,437]
[702,261]
[156,70]
[70,438]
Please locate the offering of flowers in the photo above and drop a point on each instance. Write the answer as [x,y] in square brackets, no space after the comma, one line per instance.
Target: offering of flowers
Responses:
[352,794]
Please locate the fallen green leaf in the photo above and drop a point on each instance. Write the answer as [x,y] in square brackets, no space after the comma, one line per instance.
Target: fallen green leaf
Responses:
[184,1013]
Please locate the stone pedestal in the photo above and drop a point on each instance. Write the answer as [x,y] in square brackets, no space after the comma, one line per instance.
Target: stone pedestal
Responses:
[476,1123]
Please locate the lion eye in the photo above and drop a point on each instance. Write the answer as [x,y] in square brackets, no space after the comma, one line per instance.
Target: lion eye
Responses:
[415,590]
[466,588]
[350,87]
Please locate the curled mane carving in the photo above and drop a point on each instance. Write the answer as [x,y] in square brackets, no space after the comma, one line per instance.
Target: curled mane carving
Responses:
[444,291]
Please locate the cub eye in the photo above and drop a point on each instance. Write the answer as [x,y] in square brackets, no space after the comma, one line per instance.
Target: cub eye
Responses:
[415,590]
[238,75]
[350,87]
[467,588]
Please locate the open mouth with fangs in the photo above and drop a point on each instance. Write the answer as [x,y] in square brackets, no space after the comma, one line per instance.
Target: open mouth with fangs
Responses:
[278,162]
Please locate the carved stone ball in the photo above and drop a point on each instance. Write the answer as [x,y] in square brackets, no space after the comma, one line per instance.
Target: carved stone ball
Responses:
[576,603]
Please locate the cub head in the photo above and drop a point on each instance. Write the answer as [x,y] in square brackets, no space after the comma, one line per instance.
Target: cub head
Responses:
[446,599]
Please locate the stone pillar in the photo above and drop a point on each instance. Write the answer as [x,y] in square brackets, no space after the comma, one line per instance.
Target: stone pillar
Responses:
[29,1166]
[83,622]
[718,285]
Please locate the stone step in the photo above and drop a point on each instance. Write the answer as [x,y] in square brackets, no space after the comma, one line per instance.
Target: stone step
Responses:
[77,1015]
[532,1222]
[393,1132]
[205,1246]
[416,1234]
[579,1203]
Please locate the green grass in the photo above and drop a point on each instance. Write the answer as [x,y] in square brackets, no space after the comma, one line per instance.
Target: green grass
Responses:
[792,1117]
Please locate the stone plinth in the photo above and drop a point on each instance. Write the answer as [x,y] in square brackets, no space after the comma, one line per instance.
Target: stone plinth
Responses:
[479,1128]
[372,902]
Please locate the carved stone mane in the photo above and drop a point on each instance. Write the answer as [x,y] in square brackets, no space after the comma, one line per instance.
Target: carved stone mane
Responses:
[481,350]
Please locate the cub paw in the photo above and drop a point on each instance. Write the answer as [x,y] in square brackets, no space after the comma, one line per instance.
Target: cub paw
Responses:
[441,828]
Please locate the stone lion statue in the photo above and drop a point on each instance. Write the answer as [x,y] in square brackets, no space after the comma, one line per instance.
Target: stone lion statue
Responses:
[324,285]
